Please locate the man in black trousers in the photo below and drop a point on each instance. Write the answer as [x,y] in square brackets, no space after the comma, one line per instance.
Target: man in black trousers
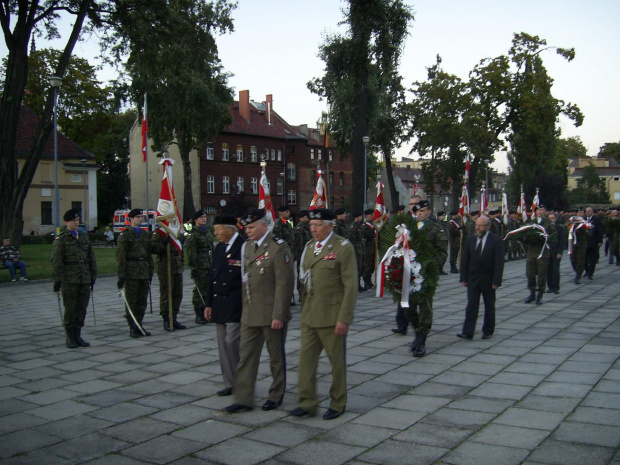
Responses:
[556,248]
[482,268]
[595,240]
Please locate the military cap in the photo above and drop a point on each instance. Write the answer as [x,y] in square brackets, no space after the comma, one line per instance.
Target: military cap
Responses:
[357,213]
[198,214]
[401,208]
[302,213]
[283,208]
[512,212]
[540,205]
[369,211]
[421,204]
[442,213]
[135,212]
[70,215]
[225,219]
[253,215]
[340,211]
[322,214]
[474,213]
[454,212]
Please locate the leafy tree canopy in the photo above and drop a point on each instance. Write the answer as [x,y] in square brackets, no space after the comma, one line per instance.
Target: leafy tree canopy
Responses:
[590,188]
[610,150]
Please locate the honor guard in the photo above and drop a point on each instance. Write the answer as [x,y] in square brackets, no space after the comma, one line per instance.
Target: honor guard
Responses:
[537,258]
[340,227]
[199,249]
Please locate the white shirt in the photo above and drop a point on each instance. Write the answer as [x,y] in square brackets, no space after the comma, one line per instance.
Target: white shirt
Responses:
[317,249]
[231,241]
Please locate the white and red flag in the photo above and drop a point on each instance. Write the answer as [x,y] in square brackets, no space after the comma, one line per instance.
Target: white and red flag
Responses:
[168,215]
[505,212]
[145,130]
[464,204]
[535,203]
[319,199]
[379,216]
[484,202]
[521,208]
[264,199]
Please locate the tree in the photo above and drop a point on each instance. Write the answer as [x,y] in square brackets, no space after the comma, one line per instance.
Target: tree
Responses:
[173,58]
[361,83]
[590,188]
[610,150]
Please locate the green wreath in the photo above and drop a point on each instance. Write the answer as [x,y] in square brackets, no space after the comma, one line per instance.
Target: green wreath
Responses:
[425,256]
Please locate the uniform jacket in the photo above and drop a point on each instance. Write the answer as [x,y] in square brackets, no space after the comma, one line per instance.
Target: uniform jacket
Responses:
[341,228]
[535,246]
[356,237]
[284,230]
[487,270]
[133,255]
[438,239]
[199,248]
[176,257]
[269,281]
[73,259]
[330,283]
[224,286]
[454,231]
[302,236]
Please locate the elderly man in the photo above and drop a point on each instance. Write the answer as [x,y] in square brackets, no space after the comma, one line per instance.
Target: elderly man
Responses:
[223,296]
[329,275]
[11,258]
[268,276]
[482,269]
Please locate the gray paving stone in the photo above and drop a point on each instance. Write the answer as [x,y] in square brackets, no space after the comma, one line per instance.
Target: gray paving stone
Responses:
[36,458]
[562,390]
[441,390]
[532,368]
[571,377]
[324,452]
[25,441]
[358,435]
[186,414]
[461,418]
[389,418]
[481,404]
[501,391]
[51,396]
[415,403]
[138,430]
[70,428]
[441,436]
[163,449]
[240,451]
[17,421]
[587,433]
[522,417]
[401,453]
[610,386]
[108,398]
[165,400]
[597,416]
[283,435]
[61,410]
[602,399]
[510,436]
[519,379]
[122,412]
[472,453]
[566,453]
[86,447]
[114,459]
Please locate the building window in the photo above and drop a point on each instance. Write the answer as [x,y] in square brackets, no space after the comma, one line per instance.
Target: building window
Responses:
[311,154]
[240,153]
[254,185]
[240,183]
[210,210]
[616,195]
[46,213]
[273,154]
[341,179]
[225,154]
[280,186]
[253,154]
[279,155]
[266,154]
[225,185]
[291,171]
[209,154]
[46,172]
[292,197]
[318,154]
[46,192]
[331,178]
[210,184]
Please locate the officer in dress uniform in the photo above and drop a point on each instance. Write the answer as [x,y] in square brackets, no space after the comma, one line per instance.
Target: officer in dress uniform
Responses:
[329,275]
[268,281]
[135,269]
[340,227]
[75,271]
[199,248]
[536,268]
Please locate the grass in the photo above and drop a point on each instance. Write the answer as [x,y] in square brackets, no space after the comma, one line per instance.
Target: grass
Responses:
[38,260]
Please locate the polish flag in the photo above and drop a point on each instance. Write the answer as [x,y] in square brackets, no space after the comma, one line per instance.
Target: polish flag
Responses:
[319,199]
[168,215]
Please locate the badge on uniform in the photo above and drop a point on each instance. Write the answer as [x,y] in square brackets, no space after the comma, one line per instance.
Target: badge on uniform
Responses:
[262,271]
[330,256]
[286,258]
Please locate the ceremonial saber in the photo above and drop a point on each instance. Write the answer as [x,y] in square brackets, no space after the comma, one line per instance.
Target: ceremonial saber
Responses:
[150,295]
[121,293]
[92,300]
[199,293]
[62,323]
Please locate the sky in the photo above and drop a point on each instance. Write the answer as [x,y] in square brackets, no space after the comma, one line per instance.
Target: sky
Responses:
[274,47]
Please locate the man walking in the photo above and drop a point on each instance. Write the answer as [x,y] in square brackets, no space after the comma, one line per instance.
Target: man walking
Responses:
[556,247]
[537,258]
[595,240]
[454,236]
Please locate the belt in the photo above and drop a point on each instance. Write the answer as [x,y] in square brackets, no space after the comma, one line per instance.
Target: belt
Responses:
[76,262]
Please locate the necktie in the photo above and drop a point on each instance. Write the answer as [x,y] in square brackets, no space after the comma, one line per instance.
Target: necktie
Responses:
[479,249]
[317,248]
[255,246]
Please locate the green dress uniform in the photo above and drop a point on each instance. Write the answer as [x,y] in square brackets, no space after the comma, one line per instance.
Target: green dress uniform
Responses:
[159,248]
[454,236]
[328,296]
[199,249]
[511,244]
[368,233]
[75,267]
[357,239]
[135,270]
[267,272]
[536,268]
[341,228]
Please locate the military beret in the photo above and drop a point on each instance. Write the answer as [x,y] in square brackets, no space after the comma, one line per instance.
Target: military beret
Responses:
[474,213]
[401,207]
[454,212]
[135,212]
[513,212]
[322,214]
[540,206]
[283,208]
[421,204]
[357,213]
[225,219]
[369,211]
[442,213]
[253,215]
[198,214]
[302,213]
[340,211]
[70,215]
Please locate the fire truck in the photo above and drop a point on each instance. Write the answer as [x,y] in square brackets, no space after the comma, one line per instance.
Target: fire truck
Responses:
[121,221]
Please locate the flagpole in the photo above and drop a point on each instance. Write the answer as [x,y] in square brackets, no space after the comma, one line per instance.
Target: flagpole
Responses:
[146,160]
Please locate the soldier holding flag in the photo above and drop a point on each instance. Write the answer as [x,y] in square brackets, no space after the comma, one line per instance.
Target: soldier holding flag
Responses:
[199,248]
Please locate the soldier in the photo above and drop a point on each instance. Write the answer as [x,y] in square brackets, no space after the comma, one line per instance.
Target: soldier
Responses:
[199,249]
[267,271]
[470,225]
[302,236]
[340,227]
[422,321]
[454,236]
[511,244]
[613,234]
[357,239]
[595,240]
[556,247]
[284,230]
[135,269]
[577,240]
[75,271]
[159,247]
[369,233]
[328,298]
[536,268]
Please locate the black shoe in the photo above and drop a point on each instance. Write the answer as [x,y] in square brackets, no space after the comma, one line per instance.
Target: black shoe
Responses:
[70,342]
[454,270]
[539,298]
[167,325]
[414,344]
[420,350]
[299,412]
[590,277]
[293,303]
[464,336]
[360,289]
[134,332]
[331,414]
[200,320]
[224,392]
[237,408]
[556,291]
[146,333]
[78,338]
[178,325]
[530,298]
[487,336]
[270,405]
[443,273]
[399,331]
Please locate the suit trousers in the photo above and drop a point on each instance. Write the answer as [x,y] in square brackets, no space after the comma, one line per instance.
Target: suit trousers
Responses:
[421,321]
[473,305]
[592,256]
[553,273]
[313,341]
[252,340]
[228,337]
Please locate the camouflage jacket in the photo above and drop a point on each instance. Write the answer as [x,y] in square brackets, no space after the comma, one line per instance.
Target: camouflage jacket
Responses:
[356,237]
[284,230]
[302,236]
[454,230]
[340,228]
[439,240]
[73,259]
[161,250]
[133,255]
[199,248]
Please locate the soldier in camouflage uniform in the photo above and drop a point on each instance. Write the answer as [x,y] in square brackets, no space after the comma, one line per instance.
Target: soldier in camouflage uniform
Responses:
[369,233]
[536,268]
[75,271]
[422,321]
[159,247]
[511,245]
[284,230]
[454,236]
[302,236]
[357,239]
[135,269]
[199,249]
[340,227]
[470,225]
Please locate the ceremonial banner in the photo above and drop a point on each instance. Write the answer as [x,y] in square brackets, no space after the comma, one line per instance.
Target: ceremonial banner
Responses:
[145,130]
[505,212]
[264,200]
[484,202]
[319,199]
[380,213]
[521,208]
[535,204]
[168,215]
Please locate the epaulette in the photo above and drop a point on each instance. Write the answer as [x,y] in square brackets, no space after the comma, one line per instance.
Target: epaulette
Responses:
[345,242]
[278,240]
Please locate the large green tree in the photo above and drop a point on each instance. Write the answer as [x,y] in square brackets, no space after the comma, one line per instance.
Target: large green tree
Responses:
[610,150]
[362,86]
[591,189]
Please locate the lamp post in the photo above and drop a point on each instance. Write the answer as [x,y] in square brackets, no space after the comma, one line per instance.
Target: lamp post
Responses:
[55,82]
[365,139]
[84,215]
[283,174]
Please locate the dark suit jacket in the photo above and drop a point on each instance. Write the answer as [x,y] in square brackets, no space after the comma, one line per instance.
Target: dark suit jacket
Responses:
[559,245]
[487,270]
[224,287]
[595,236]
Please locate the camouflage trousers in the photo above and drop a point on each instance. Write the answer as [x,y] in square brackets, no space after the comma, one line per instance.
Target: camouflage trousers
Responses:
[454,254]
[75,297]
[136,293]
[578,259]
[177,294]
[536,272]
[421,320]
[200,284]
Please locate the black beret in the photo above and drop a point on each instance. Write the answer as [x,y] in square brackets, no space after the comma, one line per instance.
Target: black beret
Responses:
[401,207]
[340,211]
[322,214]
[513,212]
[474,213]
[369,211]
[283,208]
[302,213]
[454,212]
[442,213]
[198,214]
[70,215]
[357,213]
[225,219]
[253,215]
[421,204]
[541,206]
[135,212]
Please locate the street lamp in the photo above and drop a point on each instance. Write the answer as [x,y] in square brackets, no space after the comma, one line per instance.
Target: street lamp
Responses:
[55,82]
[84,215]
[365,139]
[283,174]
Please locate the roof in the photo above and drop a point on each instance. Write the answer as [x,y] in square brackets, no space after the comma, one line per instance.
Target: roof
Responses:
[26,132]
[611,171]
[259,124]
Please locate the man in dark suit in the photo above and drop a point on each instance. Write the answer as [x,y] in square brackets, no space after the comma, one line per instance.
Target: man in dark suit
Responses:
[556,248]
[595,240]
[482,268]
[223,298]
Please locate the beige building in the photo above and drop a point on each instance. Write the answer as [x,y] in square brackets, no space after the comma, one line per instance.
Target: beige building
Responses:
[608,170]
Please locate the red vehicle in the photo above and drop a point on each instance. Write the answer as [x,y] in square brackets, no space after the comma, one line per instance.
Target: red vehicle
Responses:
[121,221]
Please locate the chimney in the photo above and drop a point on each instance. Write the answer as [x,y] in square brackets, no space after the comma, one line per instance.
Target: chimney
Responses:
[244,104]
[269,102]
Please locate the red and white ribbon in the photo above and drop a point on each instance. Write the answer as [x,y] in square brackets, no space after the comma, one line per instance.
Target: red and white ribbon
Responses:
[576,224]
[541,230]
